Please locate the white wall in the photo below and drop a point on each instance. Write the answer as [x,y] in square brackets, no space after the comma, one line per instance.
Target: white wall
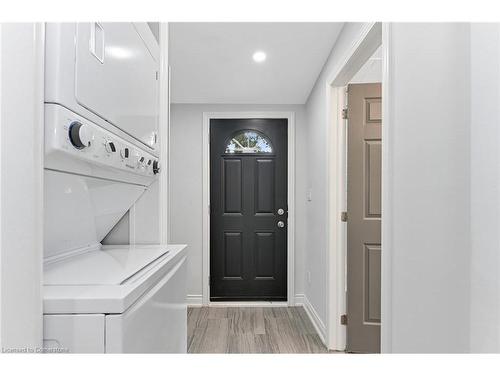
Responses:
[186,184]
[485,188]
[442,211]
[317,176]
[21,185]
[430,307]
[139,225]
[120,234]
[428,181]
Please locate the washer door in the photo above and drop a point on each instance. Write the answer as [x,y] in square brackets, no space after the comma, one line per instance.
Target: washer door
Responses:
[116,76]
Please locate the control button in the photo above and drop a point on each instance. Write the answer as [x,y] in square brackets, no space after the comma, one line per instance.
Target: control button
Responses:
[156,167]
[141,162]
[79,135]
[124,153]
[110,146]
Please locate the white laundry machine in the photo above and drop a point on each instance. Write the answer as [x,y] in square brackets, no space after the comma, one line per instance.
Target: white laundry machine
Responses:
[108,73]
[117,300]
[98,163]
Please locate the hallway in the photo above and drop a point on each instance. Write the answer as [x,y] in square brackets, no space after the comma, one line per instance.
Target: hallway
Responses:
[251,330]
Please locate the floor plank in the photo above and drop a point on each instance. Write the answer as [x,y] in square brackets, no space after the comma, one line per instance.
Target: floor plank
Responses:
[252,330]
[259,327]
[213,338]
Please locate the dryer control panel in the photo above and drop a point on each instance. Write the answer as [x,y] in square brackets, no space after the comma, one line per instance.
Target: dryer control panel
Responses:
[73,143]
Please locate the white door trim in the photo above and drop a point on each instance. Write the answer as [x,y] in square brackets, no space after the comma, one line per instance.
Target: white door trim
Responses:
[22,49]
[164,134]
[361,49]
[290,116]
[387,115]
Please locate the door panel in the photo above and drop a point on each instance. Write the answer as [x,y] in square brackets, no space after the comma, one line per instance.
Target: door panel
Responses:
[364,188]
[264,186]
[232,186]
[372,283]
[233,254]
[373,178]
[264,255]
[248,251]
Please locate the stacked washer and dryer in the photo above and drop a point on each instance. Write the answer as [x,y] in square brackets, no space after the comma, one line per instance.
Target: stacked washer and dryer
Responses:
[101,158]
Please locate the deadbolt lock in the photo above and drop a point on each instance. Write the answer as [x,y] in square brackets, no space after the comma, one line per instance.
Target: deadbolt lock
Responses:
[281,224]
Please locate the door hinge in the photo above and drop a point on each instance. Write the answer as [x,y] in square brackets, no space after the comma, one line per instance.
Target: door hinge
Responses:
[343,216]
[157,75]
[344,113]
[343,319]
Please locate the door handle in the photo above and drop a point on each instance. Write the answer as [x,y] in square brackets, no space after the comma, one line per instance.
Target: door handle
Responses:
[97,41]
[281,224]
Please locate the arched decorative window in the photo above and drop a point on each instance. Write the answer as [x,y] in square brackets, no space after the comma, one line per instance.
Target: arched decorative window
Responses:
[249,142]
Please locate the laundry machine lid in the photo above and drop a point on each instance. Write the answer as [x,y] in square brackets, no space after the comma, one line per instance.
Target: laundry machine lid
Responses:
[110,266]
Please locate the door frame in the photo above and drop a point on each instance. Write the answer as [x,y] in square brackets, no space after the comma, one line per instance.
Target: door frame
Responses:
[22,87]
[369,39]
[290,116]
[164,134]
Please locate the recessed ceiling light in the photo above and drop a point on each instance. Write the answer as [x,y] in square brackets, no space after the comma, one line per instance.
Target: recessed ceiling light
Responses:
[259,56]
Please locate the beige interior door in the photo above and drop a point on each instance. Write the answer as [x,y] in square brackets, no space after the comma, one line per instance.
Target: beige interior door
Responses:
[364,183]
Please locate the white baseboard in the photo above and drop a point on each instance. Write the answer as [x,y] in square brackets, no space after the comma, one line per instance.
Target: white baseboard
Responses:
[315,319]
[248,304]
[299,299]
[194,300]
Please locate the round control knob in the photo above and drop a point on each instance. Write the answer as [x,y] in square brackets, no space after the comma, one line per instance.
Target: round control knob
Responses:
[110,146]
[156,167]
[79,135]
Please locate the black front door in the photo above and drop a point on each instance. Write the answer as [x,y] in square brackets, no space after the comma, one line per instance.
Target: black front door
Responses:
[248,204]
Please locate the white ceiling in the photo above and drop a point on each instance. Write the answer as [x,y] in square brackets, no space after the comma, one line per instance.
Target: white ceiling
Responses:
[212,62]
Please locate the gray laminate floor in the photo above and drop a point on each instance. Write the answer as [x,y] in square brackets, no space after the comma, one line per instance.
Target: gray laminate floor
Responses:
[251,330]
